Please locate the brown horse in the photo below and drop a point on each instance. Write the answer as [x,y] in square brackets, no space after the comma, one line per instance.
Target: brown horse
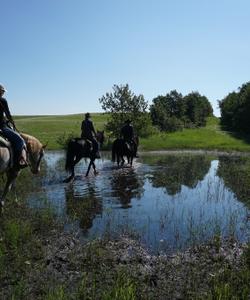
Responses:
[35,152]
[77,149]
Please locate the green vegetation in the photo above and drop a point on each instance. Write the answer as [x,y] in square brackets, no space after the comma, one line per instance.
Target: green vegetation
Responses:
[235,110]
[236,176]
[174,112]
[210,137]
[52,129]
[39,261]
[123,104]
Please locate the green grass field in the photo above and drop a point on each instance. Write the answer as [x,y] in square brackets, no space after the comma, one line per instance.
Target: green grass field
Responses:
[51,128]
[210,137]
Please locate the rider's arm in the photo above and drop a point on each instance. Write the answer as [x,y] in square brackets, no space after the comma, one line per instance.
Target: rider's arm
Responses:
[92,128]
[7,112]
[82,126]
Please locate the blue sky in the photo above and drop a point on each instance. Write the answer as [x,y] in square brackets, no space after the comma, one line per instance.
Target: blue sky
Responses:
[61,56]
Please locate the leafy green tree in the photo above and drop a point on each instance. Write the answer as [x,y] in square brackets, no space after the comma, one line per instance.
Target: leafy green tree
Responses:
[228,108]
[167,112]
[123,104]
[235,110]
[198,108]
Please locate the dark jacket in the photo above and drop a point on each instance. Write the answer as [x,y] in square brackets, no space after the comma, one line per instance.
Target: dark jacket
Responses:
[127,132]
[88,130]
[4,112]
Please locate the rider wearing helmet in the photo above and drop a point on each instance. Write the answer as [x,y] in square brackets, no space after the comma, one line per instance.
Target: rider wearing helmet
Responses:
[89,133]
[17,142]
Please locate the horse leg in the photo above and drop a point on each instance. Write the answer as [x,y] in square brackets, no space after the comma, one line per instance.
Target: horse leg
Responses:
[91,163]
[11,176]
[71,176]
[89,166]
[95,171]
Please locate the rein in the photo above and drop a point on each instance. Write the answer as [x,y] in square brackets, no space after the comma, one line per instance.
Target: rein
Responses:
[30,154]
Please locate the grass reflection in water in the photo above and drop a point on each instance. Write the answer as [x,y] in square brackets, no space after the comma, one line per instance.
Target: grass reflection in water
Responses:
[168,201]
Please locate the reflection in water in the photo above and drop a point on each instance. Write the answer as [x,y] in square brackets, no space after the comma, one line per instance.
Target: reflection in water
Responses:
[125,185]
[236,175]
[176,171]
[206,205]
[83,205]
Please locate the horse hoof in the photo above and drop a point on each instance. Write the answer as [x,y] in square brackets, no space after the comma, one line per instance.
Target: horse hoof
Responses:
[1,204]
[96,172]
[67,180]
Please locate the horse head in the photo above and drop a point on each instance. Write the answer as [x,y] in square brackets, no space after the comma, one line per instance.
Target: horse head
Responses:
[35,152]
[100,137]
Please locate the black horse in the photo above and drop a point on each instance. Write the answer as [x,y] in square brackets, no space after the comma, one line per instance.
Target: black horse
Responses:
[122,148]
[77,149]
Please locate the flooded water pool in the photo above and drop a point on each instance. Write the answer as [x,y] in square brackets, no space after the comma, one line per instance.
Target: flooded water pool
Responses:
[168,201]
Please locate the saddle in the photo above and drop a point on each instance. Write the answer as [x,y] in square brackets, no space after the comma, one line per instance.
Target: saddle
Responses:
[3,141]
[6,144]
[89,144]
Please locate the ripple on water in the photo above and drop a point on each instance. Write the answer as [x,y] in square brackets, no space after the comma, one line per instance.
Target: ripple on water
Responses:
[168,201]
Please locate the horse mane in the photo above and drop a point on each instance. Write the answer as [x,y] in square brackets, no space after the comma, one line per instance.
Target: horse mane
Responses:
[33,143]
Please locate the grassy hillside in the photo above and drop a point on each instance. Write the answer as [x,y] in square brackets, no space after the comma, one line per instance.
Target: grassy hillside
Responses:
[210,137]
[50,128]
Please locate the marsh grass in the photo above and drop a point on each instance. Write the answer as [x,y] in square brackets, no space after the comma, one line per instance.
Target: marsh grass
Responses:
[20,247]
[113,269]
[107,270]
[124,288]
[56,293]
[232,283]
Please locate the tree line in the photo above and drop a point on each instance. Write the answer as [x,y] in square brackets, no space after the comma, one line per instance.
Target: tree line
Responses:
[235,110]
[167,113]
[173,111]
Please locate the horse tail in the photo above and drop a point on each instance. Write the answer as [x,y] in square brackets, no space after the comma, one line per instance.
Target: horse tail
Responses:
[70,156]
[114,151]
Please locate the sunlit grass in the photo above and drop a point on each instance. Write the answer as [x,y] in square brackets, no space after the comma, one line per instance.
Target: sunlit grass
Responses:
[51,128]
[210,137]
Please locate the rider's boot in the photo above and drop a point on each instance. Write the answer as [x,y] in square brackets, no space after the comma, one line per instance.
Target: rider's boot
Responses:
[22,162]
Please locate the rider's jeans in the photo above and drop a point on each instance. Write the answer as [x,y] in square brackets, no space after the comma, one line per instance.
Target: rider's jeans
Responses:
[15,139]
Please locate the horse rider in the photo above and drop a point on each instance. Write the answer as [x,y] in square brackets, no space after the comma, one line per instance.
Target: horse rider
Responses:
[17,142]
[127,133]
[89,133]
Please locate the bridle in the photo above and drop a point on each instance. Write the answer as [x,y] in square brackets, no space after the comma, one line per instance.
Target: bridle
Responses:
[30,155]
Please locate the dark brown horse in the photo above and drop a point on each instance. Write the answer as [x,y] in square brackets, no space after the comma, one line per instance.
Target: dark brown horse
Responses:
[76,150]
[121,148]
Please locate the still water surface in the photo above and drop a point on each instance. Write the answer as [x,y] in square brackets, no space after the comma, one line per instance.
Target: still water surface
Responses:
[168,201]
